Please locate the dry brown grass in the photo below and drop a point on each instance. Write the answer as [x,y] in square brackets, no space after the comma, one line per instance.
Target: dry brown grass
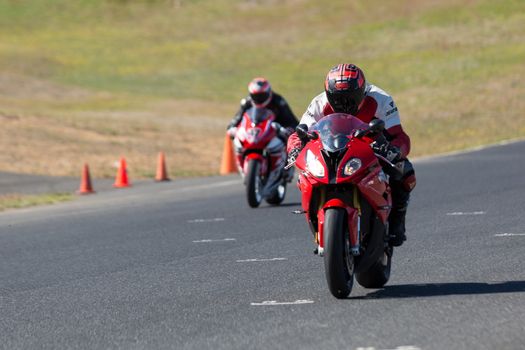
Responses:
[441,120]
[453,67]
[40,138]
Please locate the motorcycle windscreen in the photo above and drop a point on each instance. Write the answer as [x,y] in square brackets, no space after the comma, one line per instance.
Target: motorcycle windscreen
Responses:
[335,129]
[258,115]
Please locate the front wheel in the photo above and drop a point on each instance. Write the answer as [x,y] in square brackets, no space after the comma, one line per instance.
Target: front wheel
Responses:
[253,185]
[379,273]
[338,262]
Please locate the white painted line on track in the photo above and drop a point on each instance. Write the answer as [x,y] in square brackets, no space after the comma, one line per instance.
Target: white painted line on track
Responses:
[508,234]
[402,347]
[259,260]
[205,220]
[215,240]
[459,213]
[274,303]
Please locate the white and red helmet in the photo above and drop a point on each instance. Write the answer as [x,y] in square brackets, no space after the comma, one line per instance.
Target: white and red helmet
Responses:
[260,92]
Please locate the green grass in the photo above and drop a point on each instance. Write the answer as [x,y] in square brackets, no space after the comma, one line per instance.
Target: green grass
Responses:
[210,49]
[23,201]
[450,65]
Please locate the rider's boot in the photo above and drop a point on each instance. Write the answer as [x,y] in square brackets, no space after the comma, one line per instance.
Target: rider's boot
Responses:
[397,226]
[396,220]
[401,189]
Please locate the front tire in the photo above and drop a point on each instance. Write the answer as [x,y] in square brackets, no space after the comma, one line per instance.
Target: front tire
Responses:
[338,262]
[254,184]
[379,273]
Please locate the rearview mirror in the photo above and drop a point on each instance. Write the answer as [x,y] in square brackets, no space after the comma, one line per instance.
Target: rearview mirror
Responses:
[376,126]
[302,131]
[360,133]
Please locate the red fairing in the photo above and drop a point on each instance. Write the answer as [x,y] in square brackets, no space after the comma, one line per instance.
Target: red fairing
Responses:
[254,136]
[261,157]
[352,217]
[325,183]
[314,149]
[360,148]
[245,161]
[374,187]
[400,139]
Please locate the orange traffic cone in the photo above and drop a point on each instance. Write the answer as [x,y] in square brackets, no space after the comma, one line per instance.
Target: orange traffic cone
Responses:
[228,164]
[121,180]
[162,174]
[85,182]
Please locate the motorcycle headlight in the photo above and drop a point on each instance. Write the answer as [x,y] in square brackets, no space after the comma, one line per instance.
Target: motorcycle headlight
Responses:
[352,166]
[313,165]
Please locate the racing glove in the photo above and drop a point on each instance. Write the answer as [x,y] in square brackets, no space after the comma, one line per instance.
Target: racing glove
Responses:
[282,132]
[292,155]
[392,153]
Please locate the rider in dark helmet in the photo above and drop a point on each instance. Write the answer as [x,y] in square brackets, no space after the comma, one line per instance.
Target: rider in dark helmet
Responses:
[262,96]
[347,91]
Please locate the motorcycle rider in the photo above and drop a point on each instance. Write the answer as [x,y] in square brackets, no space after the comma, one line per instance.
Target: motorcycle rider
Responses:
[347,91]
[262,96]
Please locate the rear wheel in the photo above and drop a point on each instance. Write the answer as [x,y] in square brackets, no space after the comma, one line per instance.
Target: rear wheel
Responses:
[379,273]
[254,184]
[338,262]
[278,194]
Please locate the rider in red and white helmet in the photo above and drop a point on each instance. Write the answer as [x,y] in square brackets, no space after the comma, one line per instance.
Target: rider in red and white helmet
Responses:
[262,96]
[347,91]
[260,92]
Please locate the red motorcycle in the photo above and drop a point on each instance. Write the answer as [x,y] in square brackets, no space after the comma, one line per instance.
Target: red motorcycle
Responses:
[261,157]
[346,199]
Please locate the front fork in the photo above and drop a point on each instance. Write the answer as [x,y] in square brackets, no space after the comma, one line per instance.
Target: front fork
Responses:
[256,156]
[353,223]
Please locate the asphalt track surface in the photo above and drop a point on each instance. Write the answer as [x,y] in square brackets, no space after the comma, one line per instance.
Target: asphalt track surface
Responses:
[187,265]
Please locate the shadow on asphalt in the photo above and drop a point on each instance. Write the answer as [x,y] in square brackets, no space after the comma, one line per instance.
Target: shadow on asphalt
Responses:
[292,204]
[443,289]
[269,206]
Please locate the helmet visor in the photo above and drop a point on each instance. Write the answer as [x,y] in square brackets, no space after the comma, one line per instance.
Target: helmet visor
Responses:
[342,104]
[260,98]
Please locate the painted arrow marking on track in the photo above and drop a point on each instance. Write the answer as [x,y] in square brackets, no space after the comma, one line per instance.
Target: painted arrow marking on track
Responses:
[274,303]
[457,213]
[259,260]
[215,240]
[508,234]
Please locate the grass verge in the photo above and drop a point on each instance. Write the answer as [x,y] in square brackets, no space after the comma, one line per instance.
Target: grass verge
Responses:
[10,201]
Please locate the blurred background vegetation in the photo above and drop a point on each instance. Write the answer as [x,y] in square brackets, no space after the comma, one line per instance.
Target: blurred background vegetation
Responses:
[93,80]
